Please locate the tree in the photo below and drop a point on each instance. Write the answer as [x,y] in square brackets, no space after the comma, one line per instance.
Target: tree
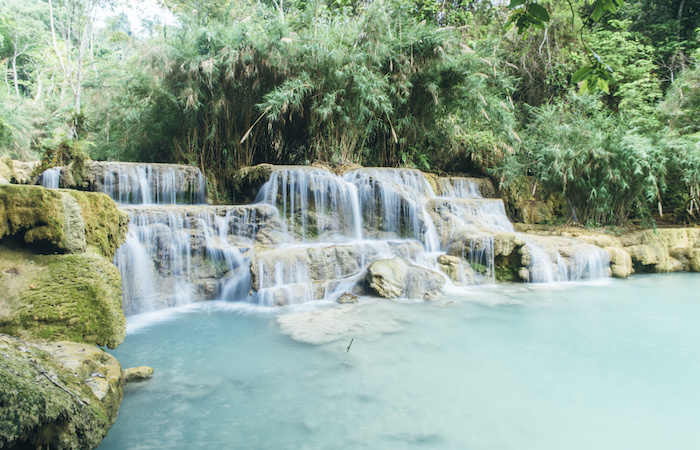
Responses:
[72,40]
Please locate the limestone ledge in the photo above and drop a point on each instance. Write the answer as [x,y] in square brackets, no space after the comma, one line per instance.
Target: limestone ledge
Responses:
[645,251]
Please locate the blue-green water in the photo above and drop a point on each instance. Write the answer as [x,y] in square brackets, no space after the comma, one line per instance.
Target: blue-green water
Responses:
[611,365]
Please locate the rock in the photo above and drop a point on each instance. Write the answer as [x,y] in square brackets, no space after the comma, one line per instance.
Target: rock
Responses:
[62,221]
[391,278]
[424,283]
[694,260]
[459,270]
[649,258]
[137,374]
[74,297]
[58,396]
[247,181]
[288,294]
[6,170]
[620,262]
[386,277]
[17,172]
[347,297]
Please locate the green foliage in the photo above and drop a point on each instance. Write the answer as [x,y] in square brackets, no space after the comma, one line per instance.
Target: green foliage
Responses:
[681,106]
[636,88]
[380,88]
[605,170]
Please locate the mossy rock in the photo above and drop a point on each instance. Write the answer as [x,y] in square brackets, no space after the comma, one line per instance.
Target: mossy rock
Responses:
[247,181]
[56,402]
[74,297]
[61,221]
[105,224]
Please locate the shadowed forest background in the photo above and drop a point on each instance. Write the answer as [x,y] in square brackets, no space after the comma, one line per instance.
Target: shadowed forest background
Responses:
[446,87]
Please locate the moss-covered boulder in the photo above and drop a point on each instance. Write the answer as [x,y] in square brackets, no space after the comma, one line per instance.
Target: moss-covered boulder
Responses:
[75,297]
[61,221]
[58,396]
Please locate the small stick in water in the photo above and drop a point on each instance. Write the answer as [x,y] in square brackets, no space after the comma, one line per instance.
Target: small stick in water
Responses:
[349,345]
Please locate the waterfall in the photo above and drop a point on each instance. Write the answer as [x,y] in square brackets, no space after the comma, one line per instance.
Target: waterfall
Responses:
[311,234]
[315,203]
[148,184]
[393,201]
[50,178]
[460,188]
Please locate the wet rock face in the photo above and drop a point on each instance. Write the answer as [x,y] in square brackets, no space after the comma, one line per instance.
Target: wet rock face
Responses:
[59,396]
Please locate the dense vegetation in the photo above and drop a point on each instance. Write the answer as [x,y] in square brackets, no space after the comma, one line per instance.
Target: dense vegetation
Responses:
[442,86]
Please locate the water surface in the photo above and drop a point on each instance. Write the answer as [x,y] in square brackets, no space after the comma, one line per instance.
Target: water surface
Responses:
[613,364]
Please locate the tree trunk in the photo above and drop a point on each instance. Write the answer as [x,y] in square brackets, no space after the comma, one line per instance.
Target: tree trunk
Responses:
[14,72]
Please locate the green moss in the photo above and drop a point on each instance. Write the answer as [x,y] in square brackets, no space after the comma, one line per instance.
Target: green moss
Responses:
[507,267]
[39,216]
[105,224]
[35,412]
[37,210]
[61,297]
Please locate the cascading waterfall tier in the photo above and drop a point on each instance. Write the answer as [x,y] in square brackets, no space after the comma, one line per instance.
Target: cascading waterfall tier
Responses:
[312,234]
[134,183]
[148,184]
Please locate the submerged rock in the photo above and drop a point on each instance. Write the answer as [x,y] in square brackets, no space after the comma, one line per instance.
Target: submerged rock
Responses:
[347,298]
[59,396]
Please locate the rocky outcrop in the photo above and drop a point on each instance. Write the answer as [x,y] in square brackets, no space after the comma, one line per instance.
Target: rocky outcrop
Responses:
[247,181]
[74,297]
[324,267]
[644,251]
[61,221]
[664,249]
[458,269]
[56,274]
[396,277]
[60,396]
[18,172]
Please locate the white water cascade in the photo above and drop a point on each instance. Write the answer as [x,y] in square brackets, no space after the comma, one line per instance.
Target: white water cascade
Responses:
[313,234]
[51,178]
